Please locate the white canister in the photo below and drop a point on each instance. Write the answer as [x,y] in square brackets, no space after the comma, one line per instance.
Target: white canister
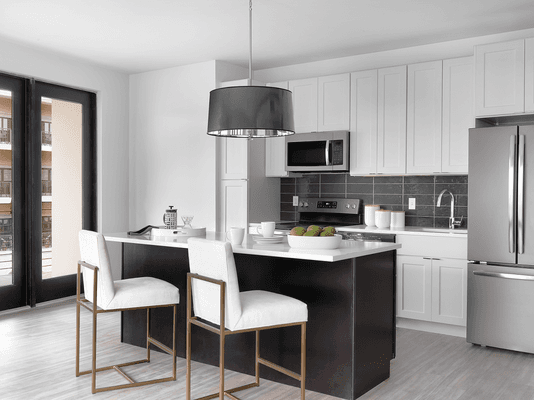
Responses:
[369,215]
[397,219]
[382,218]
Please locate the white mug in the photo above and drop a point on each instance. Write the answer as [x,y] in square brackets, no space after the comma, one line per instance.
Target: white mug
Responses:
[236,235]
[266,229]
[369,214]
[382,218]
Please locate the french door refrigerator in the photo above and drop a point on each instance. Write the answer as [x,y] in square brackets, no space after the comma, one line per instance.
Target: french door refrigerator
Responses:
[500,287]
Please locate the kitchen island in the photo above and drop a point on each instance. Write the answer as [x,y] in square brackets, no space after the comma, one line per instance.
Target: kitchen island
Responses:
[350,293]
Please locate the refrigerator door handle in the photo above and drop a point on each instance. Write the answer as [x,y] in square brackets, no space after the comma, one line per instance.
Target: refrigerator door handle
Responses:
[511,179]
[520,196]
[504,275]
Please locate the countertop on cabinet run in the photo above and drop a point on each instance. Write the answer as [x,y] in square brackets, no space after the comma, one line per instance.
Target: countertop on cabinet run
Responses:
[408,230]
[347,249]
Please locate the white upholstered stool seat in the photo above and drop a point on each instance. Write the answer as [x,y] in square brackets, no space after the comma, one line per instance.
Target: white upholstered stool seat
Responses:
[143,292]
[213,293]
[262,309]
[110,296]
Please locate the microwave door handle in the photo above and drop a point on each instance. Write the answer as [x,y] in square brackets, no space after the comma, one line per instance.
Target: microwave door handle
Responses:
[511,187]
[327,152]
[520,194]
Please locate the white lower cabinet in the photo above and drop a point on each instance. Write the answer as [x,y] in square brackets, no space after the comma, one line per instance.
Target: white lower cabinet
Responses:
[432,288]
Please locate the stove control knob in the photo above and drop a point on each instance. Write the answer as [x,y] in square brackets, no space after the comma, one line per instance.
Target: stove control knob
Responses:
[305,204]
[354,206]
[347,206]
[301,204]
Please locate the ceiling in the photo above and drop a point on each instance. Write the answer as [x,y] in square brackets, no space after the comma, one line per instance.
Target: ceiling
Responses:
[141,35]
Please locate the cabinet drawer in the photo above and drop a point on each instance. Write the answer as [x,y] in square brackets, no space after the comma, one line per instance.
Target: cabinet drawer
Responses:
[432,246]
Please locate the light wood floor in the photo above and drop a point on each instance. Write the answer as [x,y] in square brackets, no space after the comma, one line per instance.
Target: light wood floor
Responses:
[37,353]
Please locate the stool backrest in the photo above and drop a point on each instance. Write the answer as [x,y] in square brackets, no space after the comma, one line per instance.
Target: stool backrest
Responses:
[94,251]
[215,260]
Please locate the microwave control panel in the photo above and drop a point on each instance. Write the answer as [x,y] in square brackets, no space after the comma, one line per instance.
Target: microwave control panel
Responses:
[337,152]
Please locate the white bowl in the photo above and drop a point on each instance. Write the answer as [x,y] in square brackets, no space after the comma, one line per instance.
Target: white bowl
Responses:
[314,242]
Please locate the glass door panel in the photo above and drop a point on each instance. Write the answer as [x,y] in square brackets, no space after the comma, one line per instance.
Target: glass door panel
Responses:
[13,275]
[61,185]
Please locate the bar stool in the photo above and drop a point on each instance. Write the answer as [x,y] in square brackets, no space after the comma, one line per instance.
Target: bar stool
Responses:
[109,296]
[212,264]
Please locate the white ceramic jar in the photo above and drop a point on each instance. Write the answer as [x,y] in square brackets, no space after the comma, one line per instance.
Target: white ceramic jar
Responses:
[397,219]
[369,214]
[382,218]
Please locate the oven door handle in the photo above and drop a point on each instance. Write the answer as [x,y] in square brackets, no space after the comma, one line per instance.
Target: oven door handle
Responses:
[327,152]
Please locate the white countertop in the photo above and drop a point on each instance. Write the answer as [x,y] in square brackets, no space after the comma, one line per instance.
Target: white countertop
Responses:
[408,230]
[347,249]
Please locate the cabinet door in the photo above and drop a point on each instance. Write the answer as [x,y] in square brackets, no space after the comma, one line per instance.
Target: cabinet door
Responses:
[333,102]
[529,75]
[449,291]
[233,203]
[414,287]
[275,148]
[233,158]
[423,125]
[363,122]
[458,113]
[304,104]
[499,78]
[391,156]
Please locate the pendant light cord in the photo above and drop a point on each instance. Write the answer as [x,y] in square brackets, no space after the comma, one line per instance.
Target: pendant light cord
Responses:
[250,43]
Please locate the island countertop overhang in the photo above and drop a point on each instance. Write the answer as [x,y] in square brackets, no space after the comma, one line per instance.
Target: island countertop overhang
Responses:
[347,249]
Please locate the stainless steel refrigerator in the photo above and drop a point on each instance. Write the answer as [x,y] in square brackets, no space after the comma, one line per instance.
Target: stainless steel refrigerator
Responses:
[500,286]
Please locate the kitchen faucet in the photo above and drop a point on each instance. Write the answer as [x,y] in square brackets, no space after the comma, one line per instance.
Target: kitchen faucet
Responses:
[453,222]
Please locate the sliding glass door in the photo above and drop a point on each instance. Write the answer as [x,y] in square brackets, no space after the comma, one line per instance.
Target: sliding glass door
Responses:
[49,170]
[63,193]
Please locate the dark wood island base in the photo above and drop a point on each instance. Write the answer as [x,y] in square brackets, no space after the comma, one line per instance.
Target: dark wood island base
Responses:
[351,322]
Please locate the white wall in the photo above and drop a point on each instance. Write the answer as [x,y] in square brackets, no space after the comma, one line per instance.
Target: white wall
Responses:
[111,88]
[172,159]
[410,55]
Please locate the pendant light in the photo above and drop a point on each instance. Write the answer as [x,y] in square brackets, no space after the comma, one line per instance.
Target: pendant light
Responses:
[250,111]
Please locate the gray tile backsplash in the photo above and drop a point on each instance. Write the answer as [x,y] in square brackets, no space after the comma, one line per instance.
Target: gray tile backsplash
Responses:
[390,192]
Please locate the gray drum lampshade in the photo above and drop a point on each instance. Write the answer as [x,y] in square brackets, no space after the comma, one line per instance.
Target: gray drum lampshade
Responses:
[250,111]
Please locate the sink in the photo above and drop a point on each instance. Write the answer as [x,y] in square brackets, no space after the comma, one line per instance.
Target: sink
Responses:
[443,230]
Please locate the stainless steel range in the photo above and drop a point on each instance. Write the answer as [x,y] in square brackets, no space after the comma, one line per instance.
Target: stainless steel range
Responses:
[336,212]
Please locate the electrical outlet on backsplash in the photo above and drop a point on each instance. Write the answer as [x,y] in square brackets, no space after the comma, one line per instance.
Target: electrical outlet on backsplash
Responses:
[390,192]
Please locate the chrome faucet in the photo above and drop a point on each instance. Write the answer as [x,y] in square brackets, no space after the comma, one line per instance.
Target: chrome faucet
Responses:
[453,222]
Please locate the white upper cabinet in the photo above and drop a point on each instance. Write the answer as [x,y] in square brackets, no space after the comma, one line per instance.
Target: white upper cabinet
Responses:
[333,102]
[275,148]
[391,152]
[458,113]
[363,122]
[529,75]
[423,135]
[500,78]
[304,104]
[321,104]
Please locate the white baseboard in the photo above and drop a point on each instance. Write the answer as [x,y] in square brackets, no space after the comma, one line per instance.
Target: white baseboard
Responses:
[434,327]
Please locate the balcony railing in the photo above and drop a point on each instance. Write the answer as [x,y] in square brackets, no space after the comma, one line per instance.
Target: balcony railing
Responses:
[46,138]
[5,136]
[5,189]
[46,188]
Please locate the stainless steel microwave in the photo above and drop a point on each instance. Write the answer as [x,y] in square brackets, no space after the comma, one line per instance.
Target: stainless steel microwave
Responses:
[318,152]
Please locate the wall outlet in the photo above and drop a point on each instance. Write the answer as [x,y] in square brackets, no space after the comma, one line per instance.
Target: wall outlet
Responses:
[411,203]
[295,201]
